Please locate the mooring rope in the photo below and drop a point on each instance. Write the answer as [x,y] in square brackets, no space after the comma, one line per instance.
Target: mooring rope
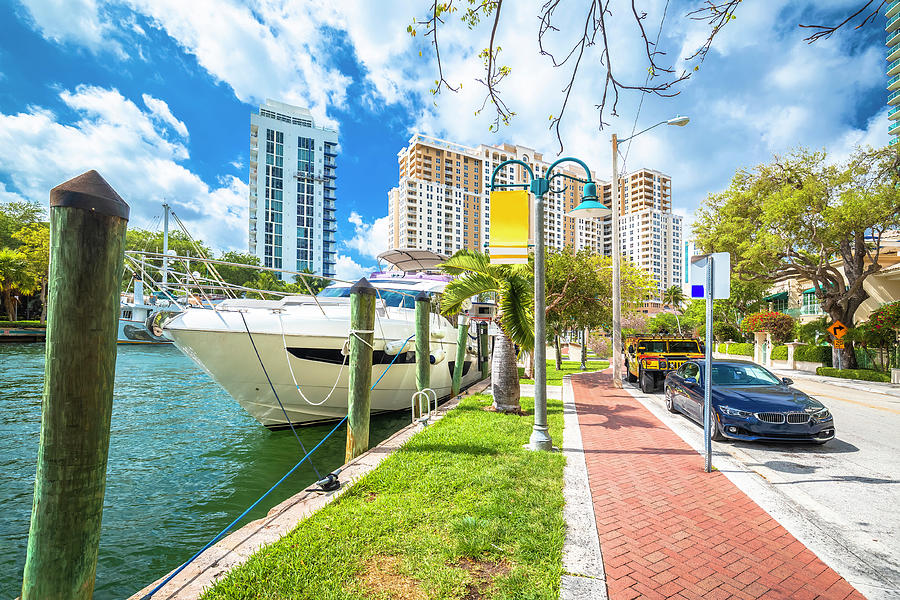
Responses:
[242,515]
[294,377]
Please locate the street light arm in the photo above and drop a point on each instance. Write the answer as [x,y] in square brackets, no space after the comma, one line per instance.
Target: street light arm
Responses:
[511,162]
[569,159]
[642,131]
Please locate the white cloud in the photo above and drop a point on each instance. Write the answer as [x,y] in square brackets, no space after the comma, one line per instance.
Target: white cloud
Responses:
[127,147]
[348,269]
[369,239]
[74,21]
[160,111]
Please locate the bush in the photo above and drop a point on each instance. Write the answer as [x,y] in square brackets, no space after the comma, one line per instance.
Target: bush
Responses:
[820,354]
[779,353]
[860,374]
[724,332]
[779,325]
[741,349]
[886,316]
[20,324]
[721,348]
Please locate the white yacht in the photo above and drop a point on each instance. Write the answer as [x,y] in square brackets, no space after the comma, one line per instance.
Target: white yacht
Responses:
[300,345]
[135,323]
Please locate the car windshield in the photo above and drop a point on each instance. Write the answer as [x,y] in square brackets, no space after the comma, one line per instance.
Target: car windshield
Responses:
[742,375]
[392,298]
[648,346]
[684,346]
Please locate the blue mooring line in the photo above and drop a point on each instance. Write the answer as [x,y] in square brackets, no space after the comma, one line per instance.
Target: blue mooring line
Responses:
[261,498]
[243,514]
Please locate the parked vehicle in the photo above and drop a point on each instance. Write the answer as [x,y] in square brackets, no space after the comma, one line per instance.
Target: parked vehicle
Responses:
[749,403]
[648,357]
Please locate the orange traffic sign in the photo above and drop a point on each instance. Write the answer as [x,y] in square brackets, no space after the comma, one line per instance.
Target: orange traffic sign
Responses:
[839,344]
[837,329]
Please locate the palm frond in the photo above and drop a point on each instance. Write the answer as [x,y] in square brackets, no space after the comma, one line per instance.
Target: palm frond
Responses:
[461,289]
[469,261]
[517,311]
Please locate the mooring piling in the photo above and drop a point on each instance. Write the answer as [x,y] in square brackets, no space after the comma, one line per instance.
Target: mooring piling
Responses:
[423,344]
[362,335]
[88,220]
[461,339]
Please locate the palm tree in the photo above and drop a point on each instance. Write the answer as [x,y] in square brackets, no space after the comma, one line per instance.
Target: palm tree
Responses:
[14,275]
[674,297]
[512,285]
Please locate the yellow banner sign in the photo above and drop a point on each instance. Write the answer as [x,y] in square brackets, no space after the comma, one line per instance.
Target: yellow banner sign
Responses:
[509,227]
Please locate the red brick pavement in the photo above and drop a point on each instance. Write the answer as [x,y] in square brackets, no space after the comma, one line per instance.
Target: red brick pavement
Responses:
[668,529]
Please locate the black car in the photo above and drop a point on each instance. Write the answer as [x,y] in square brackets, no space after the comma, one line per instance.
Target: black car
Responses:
[749,403]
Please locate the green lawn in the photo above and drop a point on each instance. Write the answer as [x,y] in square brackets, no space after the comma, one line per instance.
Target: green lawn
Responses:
[461,511]
[555,377]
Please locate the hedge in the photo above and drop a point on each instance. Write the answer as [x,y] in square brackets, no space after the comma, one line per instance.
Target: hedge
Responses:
[779,353]
[819,354]
[720,348]
[742,349]
[860,374]
[20,324]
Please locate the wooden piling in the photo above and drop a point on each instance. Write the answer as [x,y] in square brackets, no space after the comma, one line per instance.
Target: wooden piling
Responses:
[362,335]
[88,220]
[483,345]
[461,339]
[423,345]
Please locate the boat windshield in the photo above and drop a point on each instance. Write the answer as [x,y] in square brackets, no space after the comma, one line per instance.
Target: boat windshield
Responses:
[393,298]
[742,375]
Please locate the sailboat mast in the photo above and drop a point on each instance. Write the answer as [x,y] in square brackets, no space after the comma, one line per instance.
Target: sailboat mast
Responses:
[165,263]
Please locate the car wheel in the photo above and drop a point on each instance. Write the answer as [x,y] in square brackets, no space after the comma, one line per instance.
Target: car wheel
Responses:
[629,377]
[670,400]
[647,383]
[715,434]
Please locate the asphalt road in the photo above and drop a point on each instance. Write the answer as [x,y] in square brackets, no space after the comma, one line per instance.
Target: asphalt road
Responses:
[842,499]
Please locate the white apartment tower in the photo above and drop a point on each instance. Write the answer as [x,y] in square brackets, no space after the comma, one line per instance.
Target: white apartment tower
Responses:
[292,190]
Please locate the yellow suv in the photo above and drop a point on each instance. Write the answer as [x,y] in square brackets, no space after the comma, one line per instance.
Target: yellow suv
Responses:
[648,358]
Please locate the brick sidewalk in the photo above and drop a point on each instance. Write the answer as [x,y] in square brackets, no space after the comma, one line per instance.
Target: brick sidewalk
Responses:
[668,529]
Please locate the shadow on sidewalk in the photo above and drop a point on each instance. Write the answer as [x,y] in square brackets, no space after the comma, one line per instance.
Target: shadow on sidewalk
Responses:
[616,417]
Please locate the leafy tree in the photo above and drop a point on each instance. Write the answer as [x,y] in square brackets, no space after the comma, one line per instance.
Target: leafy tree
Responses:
[15,276]
[724,332]
[14,216]
[813,332]
[513,286]
[674,297]
[35,246]
[803,216]
[312,284]
[664,323]
[238,275]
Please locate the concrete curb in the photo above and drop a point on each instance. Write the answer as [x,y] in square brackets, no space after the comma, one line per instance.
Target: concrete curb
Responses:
[238,546]
[583,574]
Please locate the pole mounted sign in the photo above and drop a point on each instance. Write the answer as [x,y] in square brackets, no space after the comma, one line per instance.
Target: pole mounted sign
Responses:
[837,329]
[509,227]
[709,277]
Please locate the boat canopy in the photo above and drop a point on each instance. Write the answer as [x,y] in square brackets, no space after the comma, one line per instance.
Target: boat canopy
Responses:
[412,259]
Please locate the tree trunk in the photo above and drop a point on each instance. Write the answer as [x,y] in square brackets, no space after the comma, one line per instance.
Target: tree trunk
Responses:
[505,375]
[8,304]
[558,353]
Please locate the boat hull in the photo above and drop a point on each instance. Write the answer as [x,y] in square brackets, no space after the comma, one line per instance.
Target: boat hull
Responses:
[258,366]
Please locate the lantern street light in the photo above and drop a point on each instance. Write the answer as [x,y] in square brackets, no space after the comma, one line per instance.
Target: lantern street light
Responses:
[540,434]
[617,250]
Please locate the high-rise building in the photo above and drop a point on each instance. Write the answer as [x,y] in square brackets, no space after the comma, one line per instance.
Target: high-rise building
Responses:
[442,204]
[892,12]
[292,195]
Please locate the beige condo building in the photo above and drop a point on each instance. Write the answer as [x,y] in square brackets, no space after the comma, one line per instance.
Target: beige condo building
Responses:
[442,204]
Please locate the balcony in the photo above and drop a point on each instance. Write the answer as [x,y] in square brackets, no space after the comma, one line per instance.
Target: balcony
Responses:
[894,129]
[894,141]
[893,23]
[892,39]
[893,68]
[892,9]
[894,98]
[893,83]
[330,152]
[329,185]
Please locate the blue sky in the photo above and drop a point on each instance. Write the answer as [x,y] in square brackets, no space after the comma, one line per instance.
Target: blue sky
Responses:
[156,95]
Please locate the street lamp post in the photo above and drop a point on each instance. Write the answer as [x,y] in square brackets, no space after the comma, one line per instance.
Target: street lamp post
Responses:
[540,434]
[617,250]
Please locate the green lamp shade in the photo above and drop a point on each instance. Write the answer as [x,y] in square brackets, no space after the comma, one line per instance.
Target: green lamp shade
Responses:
[589,209]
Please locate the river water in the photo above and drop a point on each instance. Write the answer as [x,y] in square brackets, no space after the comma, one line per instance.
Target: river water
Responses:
[184,461]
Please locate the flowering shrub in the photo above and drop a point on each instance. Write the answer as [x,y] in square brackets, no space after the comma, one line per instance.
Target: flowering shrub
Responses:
[886,316]
[779,325]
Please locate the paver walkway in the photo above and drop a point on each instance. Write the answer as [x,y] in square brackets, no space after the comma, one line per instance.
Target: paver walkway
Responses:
[668,529]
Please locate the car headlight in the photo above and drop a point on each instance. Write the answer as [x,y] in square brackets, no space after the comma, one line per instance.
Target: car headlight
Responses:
[735,412]
[821,414]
